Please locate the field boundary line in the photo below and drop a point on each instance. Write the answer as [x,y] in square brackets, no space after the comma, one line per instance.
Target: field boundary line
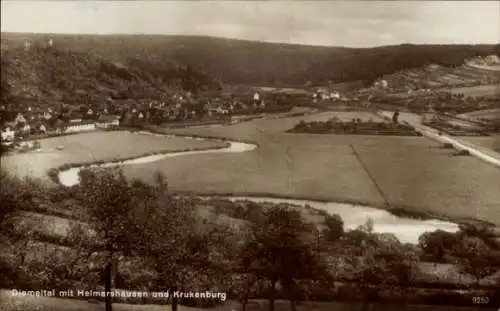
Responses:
[489,156]
[377,186]
[482,153]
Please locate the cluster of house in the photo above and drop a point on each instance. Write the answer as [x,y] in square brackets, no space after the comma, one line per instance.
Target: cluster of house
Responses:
[382,84]
[183,107]
[26,120]
[324,94]
[42,122]
[490,60]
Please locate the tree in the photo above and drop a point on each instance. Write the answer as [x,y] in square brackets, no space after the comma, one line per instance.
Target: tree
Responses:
[475,256]
[16,195]
[176,242]
[379,260]
[59,268]
[245,284]
[5,88]
[401,260]
[485,233]
[437,244]
[111,204]
[277,250]
[334,227]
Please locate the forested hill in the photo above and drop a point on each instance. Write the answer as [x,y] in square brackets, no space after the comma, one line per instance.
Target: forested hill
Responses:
[258,63]
[62,75]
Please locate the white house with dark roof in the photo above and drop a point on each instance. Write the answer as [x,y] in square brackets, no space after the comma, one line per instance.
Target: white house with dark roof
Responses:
[107,121]
[78,125]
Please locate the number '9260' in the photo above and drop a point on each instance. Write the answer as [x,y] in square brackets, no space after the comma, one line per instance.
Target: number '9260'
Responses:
[482,300]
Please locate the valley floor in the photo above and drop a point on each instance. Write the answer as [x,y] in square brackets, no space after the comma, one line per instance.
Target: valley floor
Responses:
[412,173]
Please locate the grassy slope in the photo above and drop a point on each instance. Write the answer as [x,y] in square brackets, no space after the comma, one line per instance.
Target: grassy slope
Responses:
[257,63]
[89,147]
[458,78]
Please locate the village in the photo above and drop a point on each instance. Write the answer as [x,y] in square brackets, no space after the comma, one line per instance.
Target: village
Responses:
[26,120]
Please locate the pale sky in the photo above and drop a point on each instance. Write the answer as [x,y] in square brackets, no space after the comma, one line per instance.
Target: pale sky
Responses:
[335,23]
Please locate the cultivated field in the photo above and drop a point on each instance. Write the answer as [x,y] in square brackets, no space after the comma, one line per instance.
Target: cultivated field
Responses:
[485,67]
[490,142]
[10,303]
[480,90]
[415,172]
[487,114]
[95,146]
[409,172]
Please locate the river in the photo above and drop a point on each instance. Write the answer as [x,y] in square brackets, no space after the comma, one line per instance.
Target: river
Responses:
[406,229]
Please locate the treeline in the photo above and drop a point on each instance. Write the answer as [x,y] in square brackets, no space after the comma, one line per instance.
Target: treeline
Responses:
[258,63]
[370,64]
[353,127]
[136,236]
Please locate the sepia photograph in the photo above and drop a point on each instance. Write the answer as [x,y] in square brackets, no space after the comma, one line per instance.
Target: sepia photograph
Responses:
[250,155]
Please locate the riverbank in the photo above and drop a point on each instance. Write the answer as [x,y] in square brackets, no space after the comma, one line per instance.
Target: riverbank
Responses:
[415,176]
[69,174]
[397,211]
[96,147]
[55,173]
[400,220]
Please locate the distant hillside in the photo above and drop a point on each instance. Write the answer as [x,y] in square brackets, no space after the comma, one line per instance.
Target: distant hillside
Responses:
[440,77]
[257,63]
[74,76]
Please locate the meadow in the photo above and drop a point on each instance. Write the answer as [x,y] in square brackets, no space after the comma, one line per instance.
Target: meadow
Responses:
[492,142]
[95,146]
[413,173]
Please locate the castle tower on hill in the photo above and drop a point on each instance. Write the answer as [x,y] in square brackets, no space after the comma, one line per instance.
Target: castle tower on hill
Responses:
[27,45]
